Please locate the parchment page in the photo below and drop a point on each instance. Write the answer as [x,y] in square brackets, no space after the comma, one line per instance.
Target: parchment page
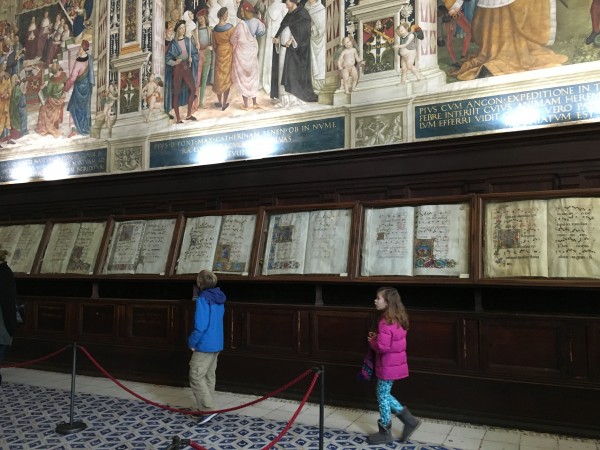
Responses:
[233,250]
[328,241]
[86,248]
[199,244]
[156,243]
[125,247]
[441,245]
[9,237]
[26,248]
[574,237]
[387,241]
[286,244]
[516,239]
[60,245]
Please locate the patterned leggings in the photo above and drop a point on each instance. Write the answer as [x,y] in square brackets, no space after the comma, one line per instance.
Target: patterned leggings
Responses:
[387,403]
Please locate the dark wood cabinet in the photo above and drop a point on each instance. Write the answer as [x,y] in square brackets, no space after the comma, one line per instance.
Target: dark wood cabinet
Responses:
[520,352]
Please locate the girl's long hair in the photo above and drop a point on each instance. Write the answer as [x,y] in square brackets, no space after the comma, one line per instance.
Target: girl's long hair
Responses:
[395,311]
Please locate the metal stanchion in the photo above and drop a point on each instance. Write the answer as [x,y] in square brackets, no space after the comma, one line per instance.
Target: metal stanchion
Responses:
[322,407]
[72,427]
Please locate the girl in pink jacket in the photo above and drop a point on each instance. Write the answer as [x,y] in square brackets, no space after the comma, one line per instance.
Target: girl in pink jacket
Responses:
[389,345]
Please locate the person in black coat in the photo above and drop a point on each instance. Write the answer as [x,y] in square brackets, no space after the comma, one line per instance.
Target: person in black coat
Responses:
[8,305]
[296,77]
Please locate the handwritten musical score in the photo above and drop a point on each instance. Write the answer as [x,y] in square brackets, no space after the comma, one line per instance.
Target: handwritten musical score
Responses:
[73,247]
[315,242]
[542,238]
[416,240]
[140,247]
[22,243]
[220,243]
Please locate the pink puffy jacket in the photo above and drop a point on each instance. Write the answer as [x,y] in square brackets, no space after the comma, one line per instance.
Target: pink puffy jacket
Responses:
[390,347]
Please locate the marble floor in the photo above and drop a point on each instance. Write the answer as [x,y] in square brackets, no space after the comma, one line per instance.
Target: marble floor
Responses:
[122,421]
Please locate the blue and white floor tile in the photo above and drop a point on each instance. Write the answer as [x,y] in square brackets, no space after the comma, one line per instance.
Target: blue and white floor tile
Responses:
[33,403]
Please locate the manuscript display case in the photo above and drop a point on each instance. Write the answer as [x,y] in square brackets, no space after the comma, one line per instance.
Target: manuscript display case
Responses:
[501,350]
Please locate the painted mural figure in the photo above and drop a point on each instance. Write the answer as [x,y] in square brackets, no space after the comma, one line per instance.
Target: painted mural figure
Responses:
[152,93]
[296,77]
[349,63]
[318,40]
[52,97]
[595,16]
[181,70]
[5,92]
[82,82]
[274,14]
[30,43]
[205,54]
[18,108]
[453,17]
[244,69]
[407,50]
[512,36]
[110,99]
[223,58]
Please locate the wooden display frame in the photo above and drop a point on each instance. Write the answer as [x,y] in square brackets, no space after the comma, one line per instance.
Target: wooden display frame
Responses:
[356,228]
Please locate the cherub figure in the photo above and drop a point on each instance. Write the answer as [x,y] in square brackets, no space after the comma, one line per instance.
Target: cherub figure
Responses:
[407,50]
[152,92]
[111,95]
[347,63]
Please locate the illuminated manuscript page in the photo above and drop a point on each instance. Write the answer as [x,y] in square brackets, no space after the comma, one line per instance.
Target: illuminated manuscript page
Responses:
[516,239]
[9,236]
[328,242]
[60,245]
[27,247]
[387,241]
[574,237]
[199,244]
[286,244]
[125,247]
[86,247]
[234,247]
[441,245]
[156,243]
[73,247]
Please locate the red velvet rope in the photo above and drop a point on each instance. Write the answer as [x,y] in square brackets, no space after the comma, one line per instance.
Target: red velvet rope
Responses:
[29,363]
[185,411]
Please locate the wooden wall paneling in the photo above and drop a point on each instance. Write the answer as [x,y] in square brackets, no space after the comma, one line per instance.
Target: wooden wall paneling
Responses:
[259,240]
[437,342]
[523,347]
[340,336]
[271,331]
[175,245]
[51,317]
[578,350]
[593,340]
[104,246]
[471,338]
[149,322]
[97,321]
[39,255]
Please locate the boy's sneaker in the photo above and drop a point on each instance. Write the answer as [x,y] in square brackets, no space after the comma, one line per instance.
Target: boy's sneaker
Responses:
[206,419]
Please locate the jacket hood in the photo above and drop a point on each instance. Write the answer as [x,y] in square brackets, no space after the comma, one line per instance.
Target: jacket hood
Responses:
[214,296]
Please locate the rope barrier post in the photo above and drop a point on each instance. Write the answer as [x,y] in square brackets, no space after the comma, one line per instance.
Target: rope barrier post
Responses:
[321,372]
[72,427]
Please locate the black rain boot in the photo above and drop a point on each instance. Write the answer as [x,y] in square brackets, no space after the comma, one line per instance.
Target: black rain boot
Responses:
[383,436]
[411,423]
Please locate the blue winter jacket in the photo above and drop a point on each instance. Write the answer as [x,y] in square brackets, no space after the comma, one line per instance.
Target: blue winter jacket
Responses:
[207,335]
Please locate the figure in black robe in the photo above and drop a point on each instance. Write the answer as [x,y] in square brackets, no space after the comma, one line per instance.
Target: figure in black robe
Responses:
[296,76]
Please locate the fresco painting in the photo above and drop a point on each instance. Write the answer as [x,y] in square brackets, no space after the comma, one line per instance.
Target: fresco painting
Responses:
[79,74]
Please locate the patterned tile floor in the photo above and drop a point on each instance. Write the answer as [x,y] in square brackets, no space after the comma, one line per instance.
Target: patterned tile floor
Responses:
[33,403]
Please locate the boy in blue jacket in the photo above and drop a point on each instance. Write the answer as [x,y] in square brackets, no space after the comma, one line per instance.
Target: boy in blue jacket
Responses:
[206,341]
